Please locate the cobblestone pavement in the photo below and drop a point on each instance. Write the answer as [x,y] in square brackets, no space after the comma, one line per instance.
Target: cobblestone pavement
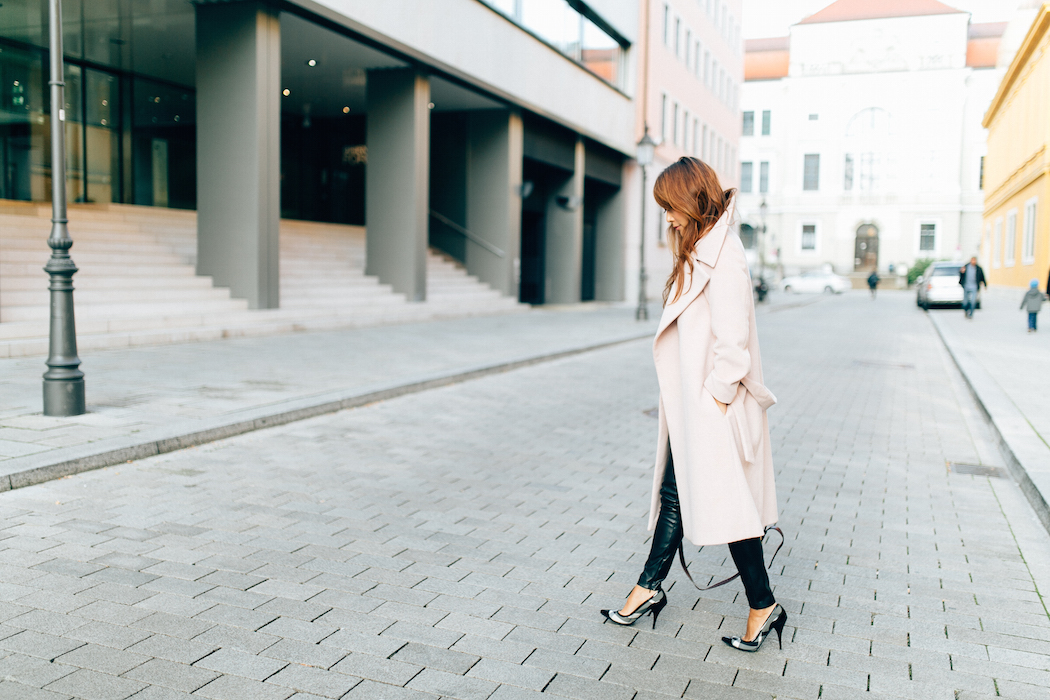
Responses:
[458,543]
[136,391]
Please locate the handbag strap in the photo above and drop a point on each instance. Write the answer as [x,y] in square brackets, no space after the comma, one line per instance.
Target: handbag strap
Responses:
[681,558]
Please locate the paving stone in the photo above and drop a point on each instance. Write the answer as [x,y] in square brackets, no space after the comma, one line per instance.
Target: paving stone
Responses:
[390,671]
[42,646]
[103,659]
[435,657]
[183,651]
[513,674]
[370,690]
[451,685]
[240,663]
[91,685]
[237,688]
[328,684]
[569,686]
[32,671]
[170,674]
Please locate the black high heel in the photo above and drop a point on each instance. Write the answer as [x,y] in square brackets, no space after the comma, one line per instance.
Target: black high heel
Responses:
[654,605]
[778,617]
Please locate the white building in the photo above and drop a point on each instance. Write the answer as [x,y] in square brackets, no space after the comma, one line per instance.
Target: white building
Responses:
[862,134]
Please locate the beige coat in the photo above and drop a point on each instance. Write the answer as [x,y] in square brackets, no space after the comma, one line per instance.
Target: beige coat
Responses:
[706,348]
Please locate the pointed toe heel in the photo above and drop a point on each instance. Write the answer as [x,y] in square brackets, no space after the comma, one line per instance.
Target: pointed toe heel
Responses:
[654,605]
[776,621]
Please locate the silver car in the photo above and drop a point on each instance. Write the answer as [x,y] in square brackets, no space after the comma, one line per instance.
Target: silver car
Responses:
[939,286]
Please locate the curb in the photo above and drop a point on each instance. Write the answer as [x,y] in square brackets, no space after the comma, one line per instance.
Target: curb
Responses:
[1021,447]
[36,469]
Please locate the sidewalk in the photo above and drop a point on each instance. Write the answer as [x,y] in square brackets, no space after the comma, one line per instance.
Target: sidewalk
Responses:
[1008,371]
[149,400]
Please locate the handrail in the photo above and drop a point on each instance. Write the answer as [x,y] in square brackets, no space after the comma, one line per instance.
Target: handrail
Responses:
[468,234]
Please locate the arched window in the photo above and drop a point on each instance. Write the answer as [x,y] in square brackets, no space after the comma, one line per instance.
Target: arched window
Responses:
[867,144]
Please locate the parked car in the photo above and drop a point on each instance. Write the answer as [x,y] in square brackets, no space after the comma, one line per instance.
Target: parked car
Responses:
[827,282]
[939,286]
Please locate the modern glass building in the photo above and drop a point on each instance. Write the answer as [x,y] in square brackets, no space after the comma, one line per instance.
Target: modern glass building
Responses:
[495,131]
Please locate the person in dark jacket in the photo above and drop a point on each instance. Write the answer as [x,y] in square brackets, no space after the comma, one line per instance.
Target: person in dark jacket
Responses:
[971,277]
[873,282]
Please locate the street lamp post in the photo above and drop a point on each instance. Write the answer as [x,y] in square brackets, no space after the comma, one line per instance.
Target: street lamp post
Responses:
[63,380]
[762,209]
[646,148]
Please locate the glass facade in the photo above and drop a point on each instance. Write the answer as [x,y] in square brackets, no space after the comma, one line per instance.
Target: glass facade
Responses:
[129,139]
[580,35]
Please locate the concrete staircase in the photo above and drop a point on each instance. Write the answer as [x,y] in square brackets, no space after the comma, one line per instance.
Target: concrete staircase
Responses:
[137,284]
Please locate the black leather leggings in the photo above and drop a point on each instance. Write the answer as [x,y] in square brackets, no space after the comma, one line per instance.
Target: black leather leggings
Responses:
[747,554]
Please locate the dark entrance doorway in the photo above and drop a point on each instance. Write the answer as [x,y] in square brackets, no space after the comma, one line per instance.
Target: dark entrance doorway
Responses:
[866,249]
[541,181]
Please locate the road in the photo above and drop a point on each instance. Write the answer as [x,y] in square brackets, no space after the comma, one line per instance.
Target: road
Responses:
[459,543]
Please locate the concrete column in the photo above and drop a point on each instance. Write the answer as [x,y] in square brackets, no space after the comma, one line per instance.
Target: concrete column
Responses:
[238,149]
[609,259]
[564,261]
[396,179]
[494,163]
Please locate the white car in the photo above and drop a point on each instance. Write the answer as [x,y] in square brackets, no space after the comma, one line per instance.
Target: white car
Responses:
[815,282]
[939,286]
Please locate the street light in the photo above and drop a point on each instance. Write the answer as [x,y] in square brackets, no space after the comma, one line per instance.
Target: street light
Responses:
[63,380]
[646,149]
[762,209]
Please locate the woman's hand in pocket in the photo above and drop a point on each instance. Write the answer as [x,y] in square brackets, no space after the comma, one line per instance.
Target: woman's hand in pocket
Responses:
[721,406]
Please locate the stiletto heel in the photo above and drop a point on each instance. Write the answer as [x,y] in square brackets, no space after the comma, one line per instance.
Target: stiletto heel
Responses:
[779,627]
[776,621]
[657,609]
[654,605]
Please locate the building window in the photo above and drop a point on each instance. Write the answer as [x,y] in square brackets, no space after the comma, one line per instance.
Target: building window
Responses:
[746,176]
[814,117]
[667,24]
[674,135]
[847,173]
[980,178]
[677,37]
[663,117]
[811,172]
[696,133]
[703,144]
[763,177]
[927,237]
[685,129]
[997,243]
[808,241]
[1010,245]
[707,69]
[696,60]
[765,122]
[1028,244]
[749,123]
[688,45]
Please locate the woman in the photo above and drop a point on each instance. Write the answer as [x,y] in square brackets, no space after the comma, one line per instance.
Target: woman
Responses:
[714,467]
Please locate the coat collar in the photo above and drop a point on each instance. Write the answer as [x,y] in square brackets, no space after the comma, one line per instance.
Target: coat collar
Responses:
[706,252]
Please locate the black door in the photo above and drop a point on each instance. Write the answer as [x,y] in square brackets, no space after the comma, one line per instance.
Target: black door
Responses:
[532,251]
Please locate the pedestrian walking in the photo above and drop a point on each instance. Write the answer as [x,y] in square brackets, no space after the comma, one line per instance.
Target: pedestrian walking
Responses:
[873,282]
[1032,302]
[971,277]
[713,482]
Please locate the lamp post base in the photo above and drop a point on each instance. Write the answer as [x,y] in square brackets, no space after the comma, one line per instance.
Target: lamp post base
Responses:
[64,397]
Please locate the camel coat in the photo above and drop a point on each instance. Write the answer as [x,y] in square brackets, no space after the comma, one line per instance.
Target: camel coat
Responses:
[706,348]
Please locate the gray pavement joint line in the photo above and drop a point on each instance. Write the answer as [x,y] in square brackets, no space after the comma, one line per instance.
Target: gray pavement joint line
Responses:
[1016,466]
[1020,552]
[150,448]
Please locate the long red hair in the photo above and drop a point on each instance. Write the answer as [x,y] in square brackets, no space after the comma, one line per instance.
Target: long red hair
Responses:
[689,186]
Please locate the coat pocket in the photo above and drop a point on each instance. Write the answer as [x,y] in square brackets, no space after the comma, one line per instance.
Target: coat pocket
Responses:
[745,422]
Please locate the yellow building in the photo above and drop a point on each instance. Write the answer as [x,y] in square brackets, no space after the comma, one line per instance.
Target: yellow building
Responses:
[1015,241]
